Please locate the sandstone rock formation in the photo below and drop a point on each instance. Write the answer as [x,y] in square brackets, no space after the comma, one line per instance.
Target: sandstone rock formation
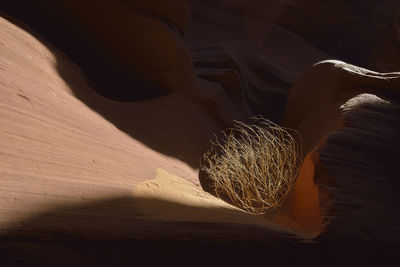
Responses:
[107,106]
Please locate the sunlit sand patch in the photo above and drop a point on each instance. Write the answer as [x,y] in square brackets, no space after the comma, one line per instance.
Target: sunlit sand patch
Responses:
[180,200]
[173,188]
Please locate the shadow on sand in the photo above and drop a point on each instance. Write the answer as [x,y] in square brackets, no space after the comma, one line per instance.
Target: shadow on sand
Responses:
[114,231]
[120,230]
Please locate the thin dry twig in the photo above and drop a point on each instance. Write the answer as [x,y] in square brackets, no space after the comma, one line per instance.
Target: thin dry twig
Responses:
[254,166]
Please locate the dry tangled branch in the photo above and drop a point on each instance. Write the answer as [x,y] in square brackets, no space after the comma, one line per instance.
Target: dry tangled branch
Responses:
[253,166]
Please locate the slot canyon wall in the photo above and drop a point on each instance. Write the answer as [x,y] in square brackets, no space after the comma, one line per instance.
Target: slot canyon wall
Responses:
[107,106]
